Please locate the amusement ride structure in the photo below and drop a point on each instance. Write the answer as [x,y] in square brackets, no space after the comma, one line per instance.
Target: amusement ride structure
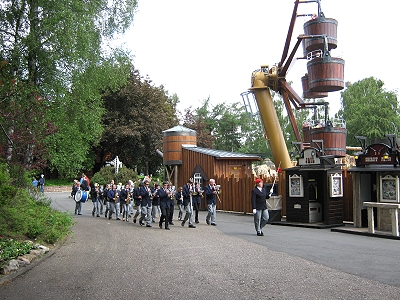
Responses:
[325,74]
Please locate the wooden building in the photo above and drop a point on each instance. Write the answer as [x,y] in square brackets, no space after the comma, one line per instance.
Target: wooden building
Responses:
[314,190]
[233,171]
[376,186]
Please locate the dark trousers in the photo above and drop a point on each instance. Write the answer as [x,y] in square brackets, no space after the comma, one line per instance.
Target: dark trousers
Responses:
[196,211]
[171,213]
[165,213]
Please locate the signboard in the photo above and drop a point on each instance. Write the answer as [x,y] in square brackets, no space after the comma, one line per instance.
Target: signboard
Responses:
[236,171]
[389,189]
[309,157]
[378,154]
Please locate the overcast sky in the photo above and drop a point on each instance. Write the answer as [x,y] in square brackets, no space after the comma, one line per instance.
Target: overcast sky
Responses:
[209,48]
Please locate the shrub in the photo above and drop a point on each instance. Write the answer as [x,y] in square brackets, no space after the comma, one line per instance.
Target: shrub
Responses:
[10,249]
[24,212]
[106,174]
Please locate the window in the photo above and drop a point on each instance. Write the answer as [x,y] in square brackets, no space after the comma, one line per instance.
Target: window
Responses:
[197,178]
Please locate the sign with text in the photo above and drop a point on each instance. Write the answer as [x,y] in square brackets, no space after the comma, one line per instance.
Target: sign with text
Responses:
[378,154]
[309,157]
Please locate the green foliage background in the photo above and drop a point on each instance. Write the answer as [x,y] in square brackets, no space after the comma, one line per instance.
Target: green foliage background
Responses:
[26,213]
[369,110]
[106,174]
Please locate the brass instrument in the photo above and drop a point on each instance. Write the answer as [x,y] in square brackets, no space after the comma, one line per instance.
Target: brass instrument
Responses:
[116,197]
[155,193]
[128,198]
[171,193]
[217,188]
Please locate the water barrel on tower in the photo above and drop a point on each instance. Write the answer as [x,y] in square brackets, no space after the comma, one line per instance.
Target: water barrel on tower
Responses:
[173,139]
[318,27]
[325,74]
[307,94]
[334,138]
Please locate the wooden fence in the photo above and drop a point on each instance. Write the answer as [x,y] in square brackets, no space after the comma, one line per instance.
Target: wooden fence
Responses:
[235,194]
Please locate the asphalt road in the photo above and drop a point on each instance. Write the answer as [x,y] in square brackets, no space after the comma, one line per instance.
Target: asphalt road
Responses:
[106,259]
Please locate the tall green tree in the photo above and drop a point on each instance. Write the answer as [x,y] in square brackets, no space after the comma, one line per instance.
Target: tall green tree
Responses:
[369,110]
[137,114]
[196,120]
[53,51]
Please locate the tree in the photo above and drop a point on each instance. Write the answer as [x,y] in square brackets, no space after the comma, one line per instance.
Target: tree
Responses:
[196,120]
[369,110]
[225,127]
[137,114]
[53,50]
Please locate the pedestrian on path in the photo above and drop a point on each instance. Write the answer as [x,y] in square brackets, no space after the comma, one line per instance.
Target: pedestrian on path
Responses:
[259,204]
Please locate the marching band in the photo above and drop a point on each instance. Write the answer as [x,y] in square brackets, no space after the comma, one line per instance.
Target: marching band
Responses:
[148,201]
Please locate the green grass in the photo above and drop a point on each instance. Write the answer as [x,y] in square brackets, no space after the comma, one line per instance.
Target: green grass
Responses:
[26,214]
[59,182]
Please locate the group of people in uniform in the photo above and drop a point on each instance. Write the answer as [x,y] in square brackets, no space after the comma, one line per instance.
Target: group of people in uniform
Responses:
[149,201]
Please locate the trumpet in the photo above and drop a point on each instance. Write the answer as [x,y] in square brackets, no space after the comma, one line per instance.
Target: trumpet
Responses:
[155,193]
[171,193]
[217,188]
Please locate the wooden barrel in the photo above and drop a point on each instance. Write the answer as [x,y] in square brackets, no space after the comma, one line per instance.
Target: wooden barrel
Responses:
[173,139]
[334,139]
[320,26]
[306,90]
[325,75]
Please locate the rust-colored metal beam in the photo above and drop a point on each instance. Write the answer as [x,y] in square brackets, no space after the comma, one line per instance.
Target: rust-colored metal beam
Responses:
[289,35]
[283,71]
[291,115]
[296,99]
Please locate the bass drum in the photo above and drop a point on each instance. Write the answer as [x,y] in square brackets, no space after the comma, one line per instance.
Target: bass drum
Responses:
[78,196]
[84,196]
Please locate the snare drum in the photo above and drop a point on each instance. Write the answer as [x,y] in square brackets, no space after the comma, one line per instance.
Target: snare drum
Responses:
[78,196]
[84,196]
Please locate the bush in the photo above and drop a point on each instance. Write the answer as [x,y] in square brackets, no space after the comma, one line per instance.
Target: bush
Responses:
[106,174]
[10,249]
[24,212]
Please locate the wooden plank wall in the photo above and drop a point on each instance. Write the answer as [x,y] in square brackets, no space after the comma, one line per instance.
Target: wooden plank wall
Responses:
[235,193]
[347,196]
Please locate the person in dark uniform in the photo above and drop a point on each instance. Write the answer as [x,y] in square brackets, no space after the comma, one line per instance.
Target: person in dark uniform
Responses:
[211,199]
[155,203]
[259,205]
[123,198]
[138,201]
[113,199]
[146,204]
[94,194]
[179,202]
[106,201]
[171,204]
[187,191]
[196,201]
[165,199]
